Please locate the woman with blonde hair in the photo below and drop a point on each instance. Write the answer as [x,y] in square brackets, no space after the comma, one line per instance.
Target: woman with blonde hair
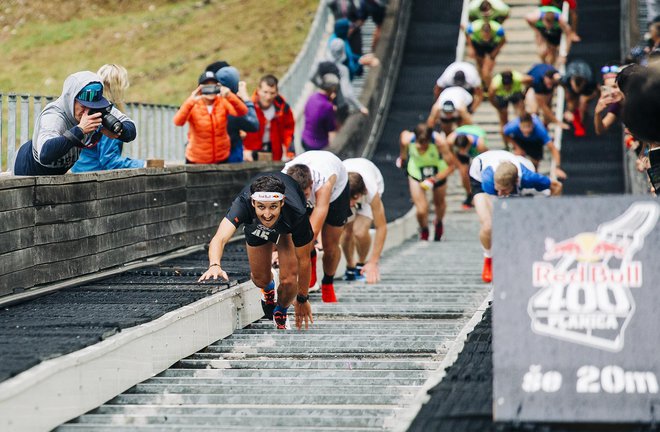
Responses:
[106,155]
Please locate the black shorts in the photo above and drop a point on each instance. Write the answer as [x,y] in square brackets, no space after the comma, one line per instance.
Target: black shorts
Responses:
[553,38]
[463,158]
[482,49]
[436,185]
[376,12]
[504,101]
[340,209]
[533,150]
[475,187]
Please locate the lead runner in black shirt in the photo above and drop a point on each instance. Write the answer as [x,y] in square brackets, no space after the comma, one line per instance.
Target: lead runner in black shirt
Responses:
[273,211]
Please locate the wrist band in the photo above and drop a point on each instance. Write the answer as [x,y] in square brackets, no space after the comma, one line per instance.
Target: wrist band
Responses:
[301,298]
[213,265]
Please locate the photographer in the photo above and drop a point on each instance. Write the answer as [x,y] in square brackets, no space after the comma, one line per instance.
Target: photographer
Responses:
[609,101]
[76,120]
[206,112]
[107,154]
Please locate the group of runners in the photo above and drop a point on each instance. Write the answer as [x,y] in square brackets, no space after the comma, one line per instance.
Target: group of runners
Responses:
[319,202]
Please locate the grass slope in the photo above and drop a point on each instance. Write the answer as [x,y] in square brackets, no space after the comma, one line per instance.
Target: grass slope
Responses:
[164,44]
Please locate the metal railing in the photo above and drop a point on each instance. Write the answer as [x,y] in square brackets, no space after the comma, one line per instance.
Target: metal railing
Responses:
[157,137]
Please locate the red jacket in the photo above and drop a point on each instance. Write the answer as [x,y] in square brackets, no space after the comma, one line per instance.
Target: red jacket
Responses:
[282,127]
[208,141]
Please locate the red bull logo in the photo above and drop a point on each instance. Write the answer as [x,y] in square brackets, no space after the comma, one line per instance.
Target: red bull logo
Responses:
[584,247]
[584,282]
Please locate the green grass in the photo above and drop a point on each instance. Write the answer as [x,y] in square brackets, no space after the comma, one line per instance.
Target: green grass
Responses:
[164,44]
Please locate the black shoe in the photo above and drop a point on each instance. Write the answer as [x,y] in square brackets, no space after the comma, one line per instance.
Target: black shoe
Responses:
[268,303]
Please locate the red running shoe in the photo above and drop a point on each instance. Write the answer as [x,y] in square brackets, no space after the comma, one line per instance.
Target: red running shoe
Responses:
[312,280]
[487,272]
[439,230]
[424,234]
[578,126]
[328,293]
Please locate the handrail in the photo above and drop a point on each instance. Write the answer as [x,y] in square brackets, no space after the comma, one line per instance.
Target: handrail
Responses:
[559,108]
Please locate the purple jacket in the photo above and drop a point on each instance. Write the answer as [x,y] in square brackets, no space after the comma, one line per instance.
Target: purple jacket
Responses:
[319,121]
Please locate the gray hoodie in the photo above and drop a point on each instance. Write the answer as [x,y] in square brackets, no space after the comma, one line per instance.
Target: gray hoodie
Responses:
[58,117]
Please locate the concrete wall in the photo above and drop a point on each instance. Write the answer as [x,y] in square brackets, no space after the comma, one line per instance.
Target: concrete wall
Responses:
[55,228]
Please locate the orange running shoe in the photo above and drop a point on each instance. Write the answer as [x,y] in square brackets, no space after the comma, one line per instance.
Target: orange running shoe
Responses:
[487,272]
[328,293]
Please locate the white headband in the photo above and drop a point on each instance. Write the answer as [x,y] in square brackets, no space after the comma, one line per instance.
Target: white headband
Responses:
[267,196]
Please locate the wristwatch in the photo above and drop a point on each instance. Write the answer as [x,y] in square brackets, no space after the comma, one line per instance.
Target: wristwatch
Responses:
[302,298]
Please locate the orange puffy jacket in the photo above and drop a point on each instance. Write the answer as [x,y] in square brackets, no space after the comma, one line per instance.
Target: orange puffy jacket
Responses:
[208,141]
[281,128]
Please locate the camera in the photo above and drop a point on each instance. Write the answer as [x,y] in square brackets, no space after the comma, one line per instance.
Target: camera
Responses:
[209,89]
[108,121]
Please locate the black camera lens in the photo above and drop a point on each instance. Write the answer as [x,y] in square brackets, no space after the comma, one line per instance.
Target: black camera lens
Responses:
[111,123]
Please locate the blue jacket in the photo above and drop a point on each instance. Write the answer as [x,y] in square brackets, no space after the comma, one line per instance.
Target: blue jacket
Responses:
[105,156]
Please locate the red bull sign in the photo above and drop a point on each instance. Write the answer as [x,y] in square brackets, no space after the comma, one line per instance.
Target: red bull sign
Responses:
[575,309]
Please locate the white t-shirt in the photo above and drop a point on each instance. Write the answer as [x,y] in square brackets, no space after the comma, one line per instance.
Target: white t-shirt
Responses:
[483,167]
[472,78]
[269,113]
[323,165]
[460,97]
[371,176]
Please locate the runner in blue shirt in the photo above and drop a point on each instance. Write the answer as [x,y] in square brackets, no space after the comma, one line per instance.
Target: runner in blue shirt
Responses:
[528,136]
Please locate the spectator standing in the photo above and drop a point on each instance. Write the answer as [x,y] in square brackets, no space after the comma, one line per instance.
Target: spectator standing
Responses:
[320,115]
[107,153]
[352,11]
[228,76]
[65,126]
[376,10]
[485,39]
[345,99]
[354,62]
[609,102]
[461,74]
[276,123]
[206,111]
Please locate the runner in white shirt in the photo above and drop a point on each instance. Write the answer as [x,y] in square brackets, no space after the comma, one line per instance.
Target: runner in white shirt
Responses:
[364,177]
[451,109]
[461,74]
[323,178]
[502,174]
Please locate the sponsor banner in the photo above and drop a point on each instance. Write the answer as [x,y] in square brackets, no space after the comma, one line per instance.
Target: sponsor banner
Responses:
[576,325]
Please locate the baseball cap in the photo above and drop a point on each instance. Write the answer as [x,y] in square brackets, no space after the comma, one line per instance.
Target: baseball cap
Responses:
[448,106]
[91,96]
[207,75]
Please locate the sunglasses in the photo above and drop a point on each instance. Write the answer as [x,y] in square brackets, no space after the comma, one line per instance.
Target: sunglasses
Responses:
[610,69]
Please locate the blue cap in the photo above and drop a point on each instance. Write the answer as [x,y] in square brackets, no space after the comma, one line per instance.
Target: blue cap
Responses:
[91,96]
